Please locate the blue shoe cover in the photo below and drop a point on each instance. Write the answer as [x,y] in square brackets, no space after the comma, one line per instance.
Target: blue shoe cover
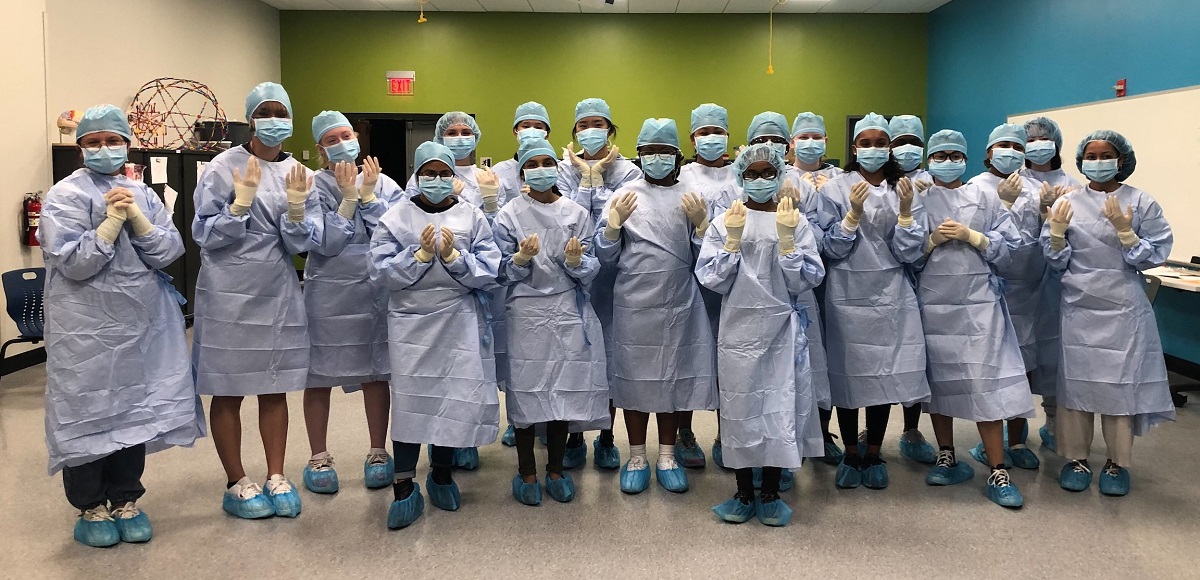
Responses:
[250,509]
[787,480]
[406,511]
[466,458]
[324,480]
[915,447]
[1075,476]
[509,439]
[673,479]
[379,475]
[526,493]
[1023,457]
[717,456]
[1002,492]
[132,524]
[562,489]
[286,502]
[978,454]
[605,456]
[875,476]
[635,480]
[1024,433]
[575,457]
[757,472]
[687,452]
[848,477]
[97,529]
[1047,439]
[1114,481]
[445,497]
[734,511]
[953,475]
[833,453]
[775,513]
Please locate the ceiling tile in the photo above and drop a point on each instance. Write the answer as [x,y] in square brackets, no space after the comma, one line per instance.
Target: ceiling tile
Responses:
[896,6]
[358,5]
[704,6]
[406,5]
[456,5]
[594,6]
[653,6]
[509,5]
[801,6]
[852,6]
[554,5]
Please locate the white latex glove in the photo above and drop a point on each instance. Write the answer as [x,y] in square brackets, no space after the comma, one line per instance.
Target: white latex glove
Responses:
[859,193]
[790,191]
[821,181]
[138,222]
[489,189]
[447,250]
[1122,221]
[922,184]
[574,253]
[586,177]
[370,170]
[953,230]
[808,178]
[904,191]
[696,212]
[529,248]
[245,187]
[787,219]
[117,201]
[1060,219]
[428,244]
[298,185]
[735,224]
[1009,189]
[345,174]
[618,213]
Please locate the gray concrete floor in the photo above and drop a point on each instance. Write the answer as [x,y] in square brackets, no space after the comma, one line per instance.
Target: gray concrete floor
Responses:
[907,531]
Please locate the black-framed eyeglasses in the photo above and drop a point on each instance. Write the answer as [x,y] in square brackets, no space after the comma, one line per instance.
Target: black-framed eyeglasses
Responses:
[768,174]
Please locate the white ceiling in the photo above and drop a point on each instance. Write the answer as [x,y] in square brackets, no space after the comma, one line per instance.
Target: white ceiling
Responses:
[622,6]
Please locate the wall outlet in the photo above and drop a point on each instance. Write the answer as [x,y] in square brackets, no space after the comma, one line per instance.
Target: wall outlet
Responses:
[304,155]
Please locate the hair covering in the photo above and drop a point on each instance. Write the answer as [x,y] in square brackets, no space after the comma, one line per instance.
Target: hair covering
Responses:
[103,118]
[1007,132]
[947,140]
[756,153]
[902,125]
[264,92]
[768,124]
[593,108]
[658,132]
[710,115]
[531,148]
[451,119]
[432,151]
[1118,141]
[808,123]
[532,111]
[327,120]
[872,121]
[1044,127]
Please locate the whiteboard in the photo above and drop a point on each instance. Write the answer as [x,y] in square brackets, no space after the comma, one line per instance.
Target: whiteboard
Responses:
[1164,129]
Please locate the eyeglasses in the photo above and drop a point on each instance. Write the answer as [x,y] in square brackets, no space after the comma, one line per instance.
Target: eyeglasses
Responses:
[768,174]
[94,146]
[948,156]
[442,174]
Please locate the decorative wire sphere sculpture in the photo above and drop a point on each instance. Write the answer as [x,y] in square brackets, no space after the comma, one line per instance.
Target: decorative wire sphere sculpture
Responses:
[165,112]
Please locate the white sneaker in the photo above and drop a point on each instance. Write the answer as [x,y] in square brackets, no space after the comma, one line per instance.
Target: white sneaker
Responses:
[667,462]
[321,461]
[245,489]
[278,484]
[638,463]
[99,513]
[377,457]
[126,512]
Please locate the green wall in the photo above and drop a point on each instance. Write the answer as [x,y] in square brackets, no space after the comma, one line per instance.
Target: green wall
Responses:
[644,65]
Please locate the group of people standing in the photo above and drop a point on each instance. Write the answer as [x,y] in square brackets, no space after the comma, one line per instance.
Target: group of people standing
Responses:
[765,284]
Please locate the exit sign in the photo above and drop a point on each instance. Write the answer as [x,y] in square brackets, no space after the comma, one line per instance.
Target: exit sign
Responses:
[400,82]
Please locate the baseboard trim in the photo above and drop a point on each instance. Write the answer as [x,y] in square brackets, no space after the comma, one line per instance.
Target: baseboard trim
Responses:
[23,361]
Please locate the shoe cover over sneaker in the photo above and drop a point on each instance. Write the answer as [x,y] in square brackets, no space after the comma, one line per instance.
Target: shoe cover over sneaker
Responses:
[670,475]
[772,510]
[1075,476]
[95,528]
[848,476]
[379,470]
[561,489]
[875,476]
[319,474]
[947,470]
[1048,439]
[404,512]
[445,497]
[1114,480]
[635,475]
[978,454]
[1001,490]
[717,456]
[526,493]
[914,446]
[606,456]
[466,458]
[132,524]
[509,439]
[246,500]
[736,510]
[688,452]
[575,457]
[833,453]
[283,496]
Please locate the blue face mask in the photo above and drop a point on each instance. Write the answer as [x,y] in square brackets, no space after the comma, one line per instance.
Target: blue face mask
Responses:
[947,171]
[530,133]
[658,166]
[1007,161]
[872,158]
[435,189]
[908,156]
[761,190]
[592,140]
[272,130]
[1100,170]
[1040,152]
[106,160]
[780,148]
[346,151]
[711,147]
[461,147]
[809,150]
[541,178]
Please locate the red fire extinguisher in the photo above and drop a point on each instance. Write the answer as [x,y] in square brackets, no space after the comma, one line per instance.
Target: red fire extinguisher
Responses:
[33,214]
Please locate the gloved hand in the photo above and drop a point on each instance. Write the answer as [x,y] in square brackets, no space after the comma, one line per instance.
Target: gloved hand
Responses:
[345,174]
[529,247]
[1009,189]
[955,231]
[735,224]
[298,185]
[525,188]
[922,184]
[787,218]
[489,189]
[1122,221]
[602,165]
[118,201]
[447,250]
[459,186]
[371,173]
[1060,218]
[618,213]
[585,170]
[904,190]
[696,212]
[245,187]
[938,238]
[808,178]
[790,191]
[428,244]
[137,220]
[574,253]
[859,193]
[821,181]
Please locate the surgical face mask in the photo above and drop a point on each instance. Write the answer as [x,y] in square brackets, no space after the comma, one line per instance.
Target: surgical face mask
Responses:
[272,130]
[809,150]
[346,151]
[541,178]
[711,147]
[1007,161]
[435,189]
[658,166]
[592,140]
[872,158]
[107,159]
[780,148]
[530,133]
[461,147]
[1100,170]
[1040,152]
[947,171]
[761,190]
[908,156]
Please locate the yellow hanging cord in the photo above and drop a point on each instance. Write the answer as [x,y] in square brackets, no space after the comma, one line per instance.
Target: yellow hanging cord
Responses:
[422,4]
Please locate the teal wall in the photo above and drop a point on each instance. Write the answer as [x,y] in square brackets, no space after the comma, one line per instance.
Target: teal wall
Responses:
[644,65]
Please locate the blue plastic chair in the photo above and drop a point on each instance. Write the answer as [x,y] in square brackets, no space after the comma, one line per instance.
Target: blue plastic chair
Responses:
[23,290]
